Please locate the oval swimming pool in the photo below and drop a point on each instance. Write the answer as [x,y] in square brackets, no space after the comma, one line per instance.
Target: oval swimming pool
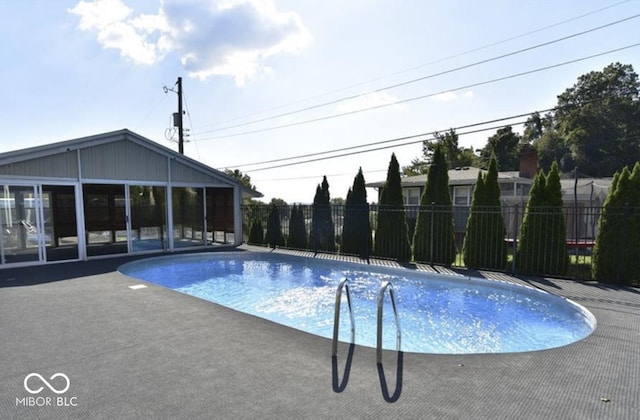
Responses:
[438,313]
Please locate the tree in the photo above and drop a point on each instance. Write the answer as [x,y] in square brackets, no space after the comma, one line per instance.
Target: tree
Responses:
[356,229]
[256,234]
[455,155]
[542,248]
[322,235]
[434,237]
[505,146]
[484,245]
[297,228]
[615,254]
[392,232]
[274,235]
[243,178]
[599,118]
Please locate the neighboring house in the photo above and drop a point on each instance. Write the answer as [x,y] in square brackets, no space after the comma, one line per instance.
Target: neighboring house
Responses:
[515,187]
[111,194]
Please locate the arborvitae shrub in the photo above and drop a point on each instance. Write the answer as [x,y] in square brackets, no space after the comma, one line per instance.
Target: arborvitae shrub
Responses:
[391,237]
[356,228]
[256,234]
[274,235]
[434,236]
[616,254]
[322,236]
[542,248]
[484,245]
[297,230]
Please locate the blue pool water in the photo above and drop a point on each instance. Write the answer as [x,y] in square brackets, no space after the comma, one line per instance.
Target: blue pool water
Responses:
[438,314]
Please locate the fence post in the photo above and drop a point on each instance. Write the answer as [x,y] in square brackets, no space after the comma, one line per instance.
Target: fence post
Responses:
[431,239]
[621,272]
[515,238]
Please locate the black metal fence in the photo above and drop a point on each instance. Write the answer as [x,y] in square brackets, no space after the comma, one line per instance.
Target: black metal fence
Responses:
[580,226]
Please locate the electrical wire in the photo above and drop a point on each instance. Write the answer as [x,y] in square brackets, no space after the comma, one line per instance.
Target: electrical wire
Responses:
[381,148]
[402,101]
[195,143]
[427,64]
[388,141]
[430,76]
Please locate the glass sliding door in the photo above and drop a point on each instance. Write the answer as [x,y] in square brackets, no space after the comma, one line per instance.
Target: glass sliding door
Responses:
[220,222]
[148,218]
[20,224]
[188,217]
[60,222]
[105,219]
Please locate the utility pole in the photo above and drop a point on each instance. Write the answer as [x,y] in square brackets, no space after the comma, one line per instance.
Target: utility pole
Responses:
[179,119]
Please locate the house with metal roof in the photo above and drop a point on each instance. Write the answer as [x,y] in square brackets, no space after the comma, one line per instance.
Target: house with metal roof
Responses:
[112,194]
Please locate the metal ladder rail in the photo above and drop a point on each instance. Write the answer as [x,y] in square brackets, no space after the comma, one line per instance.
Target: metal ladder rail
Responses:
[336,320]
[386,286]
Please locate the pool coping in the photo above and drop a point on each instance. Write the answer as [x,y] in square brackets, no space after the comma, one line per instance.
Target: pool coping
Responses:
[152,352]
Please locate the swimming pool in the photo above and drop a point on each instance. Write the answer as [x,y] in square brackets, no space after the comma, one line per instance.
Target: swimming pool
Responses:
[438,313]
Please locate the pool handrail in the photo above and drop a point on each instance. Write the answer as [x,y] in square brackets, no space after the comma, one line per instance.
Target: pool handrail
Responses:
[386,286]
[336,320]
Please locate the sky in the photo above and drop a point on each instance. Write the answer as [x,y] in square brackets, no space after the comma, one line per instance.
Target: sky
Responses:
[270,80]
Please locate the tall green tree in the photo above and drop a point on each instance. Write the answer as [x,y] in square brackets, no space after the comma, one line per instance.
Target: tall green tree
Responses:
[297,231]
[599,118]
[392,232]
[434,237]
[484,245]
[542,248]
[505,146]
[274,236]
[256,233]
[356,229]
[322,235]
[455,155]
[617,249]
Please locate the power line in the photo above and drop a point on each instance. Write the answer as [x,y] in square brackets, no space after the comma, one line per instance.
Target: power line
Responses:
[429,63]
[380,148]
[486,82]
[387,141]
[316,176]
[430,76]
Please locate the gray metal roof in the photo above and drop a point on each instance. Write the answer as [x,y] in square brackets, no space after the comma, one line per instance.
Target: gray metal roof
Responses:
[459,176]
[50,149]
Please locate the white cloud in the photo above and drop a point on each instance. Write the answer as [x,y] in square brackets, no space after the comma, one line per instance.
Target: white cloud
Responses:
[367,100]
[232,38]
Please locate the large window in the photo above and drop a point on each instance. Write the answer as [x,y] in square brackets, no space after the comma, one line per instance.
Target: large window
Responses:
[188,217]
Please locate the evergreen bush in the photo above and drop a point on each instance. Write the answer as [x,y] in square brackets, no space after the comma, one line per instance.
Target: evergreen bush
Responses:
[274,235]
[484,245]
[434,236]
[256,234]
[297,230]
[542,248]
[356,228]
[616,254]
[391,236]
[322,236]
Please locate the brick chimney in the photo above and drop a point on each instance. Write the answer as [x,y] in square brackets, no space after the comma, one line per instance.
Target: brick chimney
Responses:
[528,161]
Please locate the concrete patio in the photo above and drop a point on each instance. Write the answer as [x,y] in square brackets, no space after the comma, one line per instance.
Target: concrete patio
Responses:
[154,353]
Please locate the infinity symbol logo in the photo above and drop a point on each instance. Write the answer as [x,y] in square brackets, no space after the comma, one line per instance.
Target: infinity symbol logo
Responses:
[44,381]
